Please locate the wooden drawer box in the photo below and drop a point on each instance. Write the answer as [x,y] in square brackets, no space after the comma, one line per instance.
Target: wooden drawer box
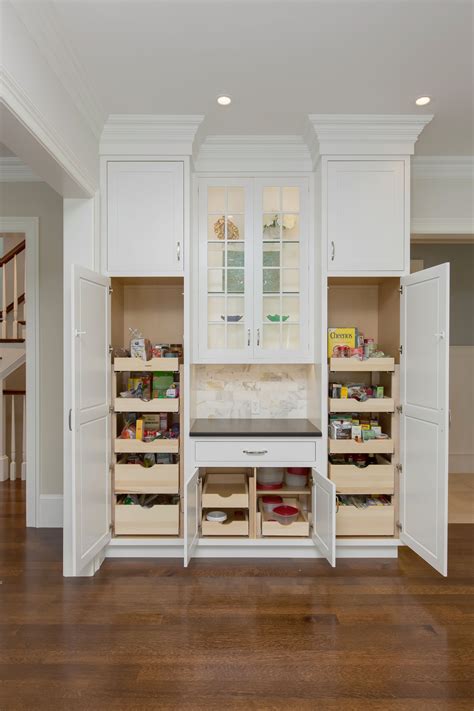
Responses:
[231,527]
[136,446]
[132,520]
[299,528]
[134,404]
[374,479]
[135,479]
[137,365]
[382,404]
[255,452]
[221,491]
[373,446]
[371,521]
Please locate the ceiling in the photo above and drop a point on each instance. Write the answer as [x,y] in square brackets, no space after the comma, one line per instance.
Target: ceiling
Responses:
[279,60]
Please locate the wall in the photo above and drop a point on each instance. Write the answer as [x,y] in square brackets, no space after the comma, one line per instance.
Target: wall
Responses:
[39,200]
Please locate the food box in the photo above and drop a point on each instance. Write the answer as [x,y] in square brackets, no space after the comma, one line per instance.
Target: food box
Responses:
[341,336]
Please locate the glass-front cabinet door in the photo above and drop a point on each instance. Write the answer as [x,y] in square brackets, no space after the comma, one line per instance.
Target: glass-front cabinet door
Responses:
[281,279]
[225,270]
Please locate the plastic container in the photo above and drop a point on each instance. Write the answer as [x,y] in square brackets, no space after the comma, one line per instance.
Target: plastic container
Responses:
[285,514]
[270,475]
[269,503]
[296,476]
[216,516]
[269,487]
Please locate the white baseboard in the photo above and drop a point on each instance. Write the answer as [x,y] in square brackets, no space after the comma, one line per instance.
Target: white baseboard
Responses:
[50,513]
[461,463]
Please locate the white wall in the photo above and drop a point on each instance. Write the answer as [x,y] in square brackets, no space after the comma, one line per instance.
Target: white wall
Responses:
[39,200]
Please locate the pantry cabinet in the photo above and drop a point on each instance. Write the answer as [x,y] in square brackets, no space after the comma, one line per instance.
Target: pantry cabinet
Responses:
[253,271]
[144,214]
[367,216]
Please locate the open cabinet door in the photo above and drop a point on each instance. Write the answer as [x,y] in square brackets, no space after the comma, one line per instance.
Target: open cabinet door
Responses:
[192,516]
[424,424]
[324,516]
[89,486]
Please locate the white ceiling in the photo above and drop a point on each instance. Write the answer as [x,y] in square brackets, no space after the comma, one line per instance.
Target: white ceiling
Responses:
[280,60]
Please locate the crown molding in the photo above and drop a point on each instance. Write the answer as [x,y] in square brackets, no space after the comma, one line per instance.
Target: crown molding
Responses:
[443,167]
[359,134]
[13,170]
[149,134]
[253,153]
[42,23]
[18,102]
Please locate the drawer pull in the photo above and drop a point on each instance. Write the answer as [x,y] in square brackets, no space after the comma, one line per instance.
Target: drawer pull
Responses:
[255,451]
[333,251]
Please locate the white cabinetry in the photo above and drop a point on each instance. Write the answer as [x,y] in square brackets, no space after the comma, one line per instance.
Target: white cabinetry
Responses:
[144,218]
[367,216]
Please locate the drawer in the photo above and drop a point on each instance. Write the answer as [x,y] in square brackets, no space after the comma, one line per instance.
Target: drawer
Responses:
[350,446]
[382,404]
[134,404]
[375,479]
[231,527]
[135,479]
[221,491]
[372,521]
[299,528]
[255,452]
[136,446]
[133,520]
[137,365]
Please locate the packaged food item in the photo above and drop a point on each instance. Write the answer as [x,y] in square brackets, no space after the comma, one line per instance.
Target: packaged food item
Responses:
[367,435]
[356,432]
[344,392]
[379,393]
[139,429]
[340,430]
[335,390]
[129,427]
[369,347]
[172,392]
[357,353]
[140,347]
[162,380]
[341,337]
[377,430]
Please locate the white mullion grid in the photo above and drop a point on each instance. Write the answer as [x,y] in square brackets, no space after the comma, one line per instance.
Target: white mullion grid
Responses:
[226,246]
[280,342]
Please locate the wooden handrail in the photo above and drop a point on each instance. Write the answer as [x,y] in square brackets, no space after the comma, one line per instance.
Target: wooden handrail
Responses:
[14,392]
[21,300]
[12,253]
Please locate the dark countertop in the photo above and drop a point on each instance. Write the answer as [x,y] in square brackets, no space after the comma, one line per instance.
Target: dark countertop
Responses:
[253,428]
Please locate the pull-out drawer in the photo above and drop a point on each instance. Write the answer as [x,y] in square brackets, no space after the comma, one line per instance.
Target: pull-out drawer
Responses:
[237,524]
[135,479]
[222,491]
[136,446]
[255,452]
[270,527]
[375,479]
[134,520]
[371,521]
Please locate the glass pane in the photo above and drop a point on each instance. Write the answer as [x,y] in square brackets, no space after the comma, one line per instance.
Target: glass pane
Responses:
[235,309]
[271,254]
[216,336]
[291,280]
[271,226]
[291,227]
[215,308]
[291,308]
[290,337]
[235,227]
[235,255]
[215,280]
[291,255]
[216,200]
[216,255]
[235,335]
[271,308]
[235,281]
[271,200]
[291,199]
[271,336]
[236,200]
[271,281]
[216,227]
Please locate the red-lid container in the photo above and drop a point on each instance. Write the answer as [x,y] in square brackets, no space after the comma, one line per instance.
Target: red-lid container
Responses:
[302,471]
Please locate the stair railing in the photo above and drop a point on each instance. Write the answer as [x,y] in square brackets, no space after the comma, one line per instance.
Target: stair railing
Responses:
[17,432]
[11,257]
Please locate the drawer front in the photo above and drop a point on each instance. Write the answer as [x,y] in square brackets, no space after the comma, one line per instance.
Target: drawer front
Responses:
[374,479]
[255,452]
[230,527]
[222,491]
[372,521]
[135,479]
[156,521]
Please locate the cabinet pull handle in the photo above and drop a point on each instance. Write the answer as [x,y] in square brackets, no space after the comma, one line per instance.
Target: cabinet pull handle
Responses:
[255,451]
[258,336]
[178,251]
[248,337]
[333,250]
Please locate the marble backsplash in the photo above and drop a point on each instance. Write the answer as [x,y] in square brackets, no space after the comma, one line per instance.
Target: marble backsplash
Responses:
[229,390]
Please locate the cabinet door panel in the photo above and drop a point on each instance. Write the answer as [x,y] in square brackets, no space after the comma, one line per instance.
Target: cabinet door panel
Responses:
[366,216]
[145,218]
[192,515]
[324,516]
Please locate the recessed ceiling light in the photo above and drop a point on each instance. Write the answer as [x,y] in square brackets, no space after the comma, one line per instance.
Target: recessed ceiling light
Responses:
[423,100]
[224,100]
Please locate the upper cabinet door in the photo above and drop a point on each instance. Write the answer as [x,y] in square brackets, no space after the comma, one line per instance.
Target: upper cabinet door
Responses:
[145,207]
[367,216]
[225,270]
[281,310]
[424,426]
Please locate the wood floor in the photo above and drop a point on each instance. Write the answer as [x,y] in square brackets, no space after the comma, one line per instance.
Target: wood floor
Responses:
[289,634]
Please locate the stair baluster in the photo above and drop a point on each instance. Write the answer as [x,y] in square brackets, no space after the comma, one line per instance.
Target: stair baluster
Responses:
[3,455]
[23,439]
[4,300]
[13,442]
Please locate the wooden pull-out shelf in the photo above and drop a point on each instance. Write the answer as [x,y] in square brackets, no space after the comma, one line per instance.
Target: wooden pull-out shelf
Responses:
[133,520]
[136,446]
[374,479]
[350,446]
[373,404]
[352,365]
[222,491]
[299,528]
[137,365]
[231,527]
[135,404]
[135,479]
[371,521]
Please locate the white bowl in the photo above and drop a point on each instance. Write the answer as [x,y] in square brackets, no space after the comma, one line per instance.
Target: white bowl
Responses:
[216,516]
